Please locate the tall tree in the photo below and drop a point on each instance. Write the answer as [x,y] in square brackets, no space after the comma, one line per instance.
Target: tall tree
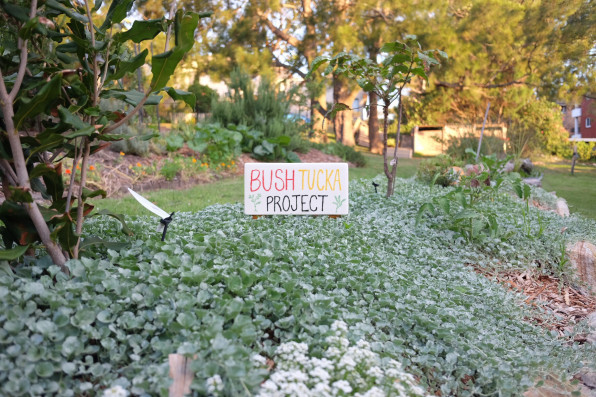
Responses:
[506,52]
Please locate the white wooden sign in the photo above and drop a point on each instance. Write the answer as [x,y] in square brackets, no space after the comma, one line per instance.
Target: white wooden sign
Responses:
[296,189]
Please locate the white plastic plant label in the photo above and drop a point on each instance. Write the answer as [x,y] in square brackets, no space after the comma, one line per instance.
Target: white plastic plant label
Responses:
[296,189]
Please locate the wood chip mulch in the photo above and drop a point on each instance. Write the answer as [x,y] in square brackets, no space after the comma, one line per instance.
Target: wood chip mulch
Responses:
[565,306]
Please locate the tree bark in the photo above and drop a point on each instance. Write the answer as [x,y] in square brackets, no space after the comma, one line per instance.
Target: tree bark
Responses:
[375,143]
[343,123]
[388,174]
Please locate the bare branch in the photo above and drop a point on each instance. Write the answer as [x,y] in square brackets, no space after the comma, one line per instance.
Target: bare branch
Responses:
[23,59]
[8,171]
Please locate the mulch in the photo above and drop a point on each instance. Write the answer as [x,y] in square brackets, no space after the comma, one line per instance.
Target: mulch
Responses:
[115,172]
[564,305]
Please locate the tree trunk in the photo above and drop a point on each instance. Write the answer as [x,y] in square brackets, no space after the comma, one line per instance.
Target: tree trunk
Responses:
[385,165]
[375,143]
[23,182]
[343,123]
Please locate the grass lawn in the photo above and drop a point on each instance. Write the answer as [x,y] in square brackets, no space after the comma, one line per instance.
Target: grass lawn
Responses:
[230,190]
[579,190]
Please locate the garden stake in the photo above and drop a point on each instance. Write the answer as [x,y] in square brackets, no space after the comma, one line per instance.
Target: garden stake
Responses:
[375,185]
[165,217]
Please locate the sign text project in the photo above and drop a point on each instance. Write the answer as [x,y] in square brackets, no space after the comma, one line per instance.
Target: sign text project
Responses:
[296,189]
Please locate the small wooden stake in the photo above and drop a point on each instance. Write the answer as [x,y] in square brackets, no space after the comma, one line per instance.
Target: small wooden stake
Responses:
[181,373]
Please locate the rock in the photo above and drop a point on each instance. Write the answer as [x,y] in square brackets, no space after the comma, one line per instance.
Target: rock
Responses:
[509,167]
[562,208]
[527,166]
[533,181]
[582,258]
[589,379]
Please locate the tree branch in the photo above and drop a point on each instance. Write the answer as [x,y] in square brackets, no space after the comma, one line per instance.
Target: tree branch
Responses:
[8,171]
[293,41]
[520,81]
[291,68]
[112,127]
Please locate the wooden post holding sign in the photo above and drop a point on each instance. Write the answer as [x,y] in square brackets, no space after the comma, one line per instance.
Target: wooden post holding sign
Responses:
[296,189]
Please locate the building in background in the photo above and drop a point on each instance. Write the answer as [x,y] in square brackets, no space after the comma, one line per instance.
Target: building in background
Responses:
[586,122]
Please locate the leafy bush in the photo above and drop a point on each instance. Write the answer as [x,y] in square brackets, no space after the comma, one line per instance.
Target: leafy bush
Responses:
[457,145]
[265,149]
[171,168]
[225,287]
[265,111]
[346,153]
[217,144]
[138,141]
[204,95]
[586,150]
[441,165]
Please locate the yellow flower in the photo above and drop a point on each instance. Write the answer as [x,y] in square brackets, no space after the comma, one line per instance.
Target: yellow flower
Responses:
[194,160]
[233,162]
[223,164]
[121,153]
[138,164]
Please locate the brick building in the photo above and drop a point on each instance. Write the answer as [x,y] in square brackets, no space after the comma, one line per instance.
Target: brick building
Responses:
[587,120]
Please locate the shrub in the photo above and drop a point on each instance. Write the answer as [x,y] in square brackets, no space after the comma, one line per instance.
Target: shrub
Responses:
[171,168]
[457,145]
[346,153]
[441,165]
[217,144]
[137,141]
[204,95]
[266,111]
[585,150]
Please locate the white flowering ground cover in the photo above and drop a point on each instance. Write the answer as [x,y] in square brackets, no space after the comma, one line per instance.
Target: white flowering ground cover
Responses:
[359,305]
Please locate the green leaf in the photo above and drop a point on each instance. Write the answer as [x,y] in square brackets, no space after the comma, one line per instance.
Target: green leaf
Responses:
[16,11]
[90,242]
[39,103]
[317,62]
[66,236]
[44,369]
[12,254]
[124,67]
[337,107]
[52,180]
[132,97]
[188,97]
[53,4]
[163,65]
[395,46]
[424,208]
[142,30]
[20,195]
[87,131]
[116,13]
[68,118]
[119,217]
[71,345]
[47,142]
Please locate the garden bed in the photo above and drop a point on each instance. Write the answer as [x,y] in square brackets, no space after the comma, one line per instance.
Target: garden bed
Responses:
[225,289]
[115,172]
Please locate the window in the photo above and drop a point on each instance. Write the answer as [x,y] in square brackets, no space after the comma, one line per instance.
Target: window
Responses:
[588,122]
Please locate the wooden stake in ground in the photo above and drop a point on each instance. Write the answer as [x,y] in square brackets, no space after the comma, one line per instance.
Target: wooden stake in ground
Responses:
[181,374]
